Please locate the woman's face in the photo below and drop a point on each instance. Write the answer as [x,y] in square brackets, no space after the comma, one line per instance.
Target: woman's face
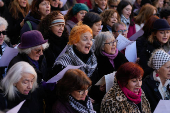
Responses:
[80,15]
[162,36]
[101,4]
[127,11]
[110,46]
[44,8]
[164,71]
[2,34]
[138,1]
[134,85]
[24,85]
[113,5]
[160,3]
[112,20]
[54,3]
[23,3]
[58,29]
[96,28]
[85,43]
[36,53]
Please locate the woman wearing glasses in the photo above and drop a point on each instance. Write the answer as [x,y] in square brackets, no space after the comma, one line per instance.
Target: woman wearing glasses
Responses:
[31,51]
[72,93]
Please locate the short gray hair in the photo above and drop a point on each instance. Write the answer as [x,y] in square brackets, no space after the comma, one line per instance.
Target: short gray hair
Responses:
[14,74]
[28,50]
[115,26]
[5,23]
[100,39]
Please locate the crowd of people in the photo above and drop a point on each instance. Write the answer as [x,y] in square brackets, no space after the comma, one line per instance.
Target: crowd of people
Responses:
[51,35]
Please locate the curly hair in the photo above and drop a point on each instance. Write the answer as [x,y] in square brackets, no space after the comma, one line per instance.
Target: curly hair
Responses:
[69,14]
[107,14]
[15,9]
[77,31]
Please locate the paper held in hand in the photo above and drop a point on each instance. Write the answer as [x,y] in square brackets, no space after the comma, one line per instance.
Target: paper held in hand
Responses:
[163,107]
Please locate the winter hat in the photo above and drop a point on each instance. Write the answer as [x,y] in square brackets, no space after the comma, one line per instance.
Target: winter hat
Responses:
[31,39]
[78,7]
[58,20]
[161,24]
[158,59]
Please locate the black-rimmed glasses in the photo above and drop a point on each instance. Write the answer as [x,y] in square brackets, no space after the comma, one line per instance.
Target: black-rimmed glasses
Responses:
[3,32]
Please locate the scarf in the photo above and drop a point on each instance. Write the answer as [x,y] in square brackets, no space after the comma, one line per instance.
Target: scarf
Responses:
[111,57]
[131,95]
[125,21]
[34,62]
[163,89]
[81,108]
[2,48]
[74,19]
[70,58]
[109,28]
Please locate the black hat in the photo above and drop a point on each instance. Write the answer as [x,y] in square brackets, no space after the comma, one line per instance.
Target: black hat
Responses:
[161,24]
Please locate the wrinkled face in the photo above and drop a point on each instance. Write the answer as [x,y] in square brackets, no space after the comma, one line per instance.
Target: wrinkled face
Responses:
[58,29]
[85,43]
[134,85]
[36,53]
[101,4]
[127,11]
[160,3]
[139,2]
[24,85]
[121,29]
[23,3]
[112,20]
[96,28]
[2,33]
[54,3]
[164,71]
[162,36]
[44,8]
[113,5]
[80,15]
[110,46]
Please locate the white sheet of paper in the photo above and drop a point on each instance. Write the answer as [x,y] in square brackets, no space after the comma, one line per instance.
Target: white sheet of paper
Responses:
[16,108]
[136,35]
[8,55]
[61,74]
[163,107]
[131,53]
[101,81]
[109,78]
[64,12]
[122,42]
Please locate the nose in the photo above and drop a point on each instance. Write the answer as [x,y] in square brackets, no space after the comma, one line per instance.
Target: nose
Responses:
[139,84]
[30,85]
[100,27]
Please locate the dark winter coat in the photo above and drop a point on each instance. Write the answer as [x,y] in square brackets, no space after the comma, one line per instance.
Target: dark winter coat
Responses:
[96,10]
[42,72]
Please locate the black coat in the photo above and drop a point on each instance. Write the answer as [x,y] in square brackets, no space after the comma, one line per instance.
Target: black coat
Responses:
[96,10]
[42,72]
[146,54]
[150,87]
[104,65]
[104,29]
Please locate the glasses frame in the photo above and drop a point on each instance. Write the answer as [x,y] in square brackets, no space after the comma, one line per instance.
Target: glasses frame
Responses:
[3,32]
[115,41]
[81,92]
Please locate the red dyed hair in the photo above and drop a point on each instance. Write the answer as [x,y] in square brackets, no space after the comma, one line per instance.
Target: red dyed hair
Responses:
[128,71]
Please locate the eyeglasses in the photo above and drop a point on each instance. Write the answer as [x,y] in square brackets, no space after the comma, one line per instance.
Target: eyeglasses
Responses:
[122,31]
[81,92]
[113,6]
[38,51]
[112,43]
[166,2]
[3,32]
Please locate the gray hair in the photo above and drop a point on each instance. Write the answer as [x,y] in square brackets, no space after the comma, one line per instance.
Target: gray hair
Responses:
[28,50]
[4,23]
[100,39]
[14,74]
[115,26]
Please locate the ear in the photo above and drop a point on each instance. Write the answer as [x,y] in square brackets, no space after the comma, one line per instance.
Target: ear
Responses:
[15,84]
[96,2]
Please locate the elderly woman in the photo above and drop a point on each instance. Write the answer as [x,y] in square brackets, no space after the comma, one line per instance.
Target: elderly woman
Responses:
[126,94]
[56,34]
[156,85]
[125,11]
[4,42]
[109,18]
[100,6]
[109,59]
[39,9]
[31,51]
[73,95]
[113,4]
[94,21]
[74,15]
[159,38]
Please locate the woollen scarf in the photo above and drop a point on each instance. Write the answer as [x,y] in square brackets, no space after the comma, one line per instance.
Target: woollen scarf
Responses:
[131,95]
[111,57]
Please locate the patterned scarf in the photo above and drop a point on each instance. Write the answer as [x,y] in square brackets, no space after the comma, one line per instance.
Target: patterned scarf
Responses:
[79,107]
[125,21]
[70,58]
[2,48]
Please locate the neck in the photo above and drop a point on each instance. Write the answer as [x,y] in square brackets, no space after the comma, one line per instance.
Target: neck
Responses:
[162,80]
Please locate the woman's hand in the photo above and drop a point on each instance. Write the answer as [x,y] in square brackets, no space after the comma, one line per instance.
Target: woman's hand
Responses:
[60,4]
[22,23]
[1,3]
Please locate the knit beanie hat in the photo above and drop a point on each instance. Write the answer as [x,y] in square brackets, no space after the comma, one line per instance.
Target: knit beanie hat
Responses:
[58,20]
[158,59]
[78,7]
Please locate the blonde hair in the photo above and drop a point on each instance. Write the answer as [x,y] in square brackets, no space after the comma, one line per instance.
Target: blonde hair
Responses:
[14,74]
[77,31]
